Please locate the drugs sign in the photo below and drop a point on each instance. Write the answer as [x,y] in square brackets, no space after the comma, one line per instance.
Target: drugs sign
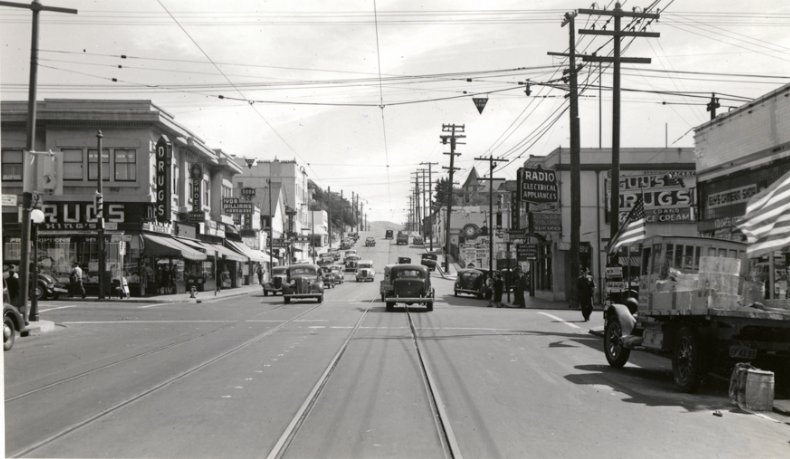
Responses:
[537,185]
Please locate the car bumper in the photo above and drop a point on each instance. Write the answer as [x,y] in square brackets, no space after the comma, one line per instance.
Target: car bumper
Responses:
[466,290]
[409,300]
[302,295]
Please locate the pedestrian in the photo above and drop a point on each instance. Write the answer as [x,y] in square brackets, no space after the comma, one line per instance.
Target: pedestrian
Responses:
[75,279]
[499,286]
[260,274]
[489,289]
[12,283]
[585,287]
[520,288]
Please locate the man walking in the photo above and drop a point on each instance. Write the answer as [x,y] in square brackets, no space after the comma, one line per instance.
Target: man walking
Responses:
[75,277]
[499,285]
[585,286]
[520,288]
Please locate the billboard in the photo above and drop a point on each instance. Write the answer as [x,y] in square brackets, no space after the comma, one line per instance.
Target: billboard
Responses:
[537,185]
[669,197]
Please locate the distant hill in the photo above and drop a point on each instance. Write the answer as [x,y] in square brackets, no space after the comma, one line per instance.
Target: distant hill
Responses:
[380,227]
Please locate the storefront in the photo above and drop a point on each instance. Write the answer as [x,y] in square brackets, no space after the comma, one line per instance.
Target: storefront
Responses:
[166,263]
[257,260]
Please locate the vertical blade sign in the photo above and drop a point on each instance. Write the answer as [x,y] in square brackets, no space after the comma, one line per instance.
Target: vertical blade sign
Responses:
[196,174]
[164,182]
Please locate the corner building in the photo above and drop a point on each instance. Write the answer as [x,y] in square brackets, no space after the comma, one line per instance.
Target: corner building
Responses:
[158,253]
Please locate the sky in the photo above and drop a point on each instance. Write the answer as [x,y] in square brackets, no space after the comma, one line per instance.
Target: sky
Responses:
[357,91]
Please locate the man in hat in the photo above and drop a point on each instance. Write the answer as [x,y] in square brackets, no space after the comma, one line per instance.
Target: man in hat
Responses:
[585,286]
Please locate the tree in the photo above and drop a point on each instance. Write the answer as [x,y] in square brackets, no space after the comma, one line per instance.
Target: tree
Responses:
[440,195]
[339,210]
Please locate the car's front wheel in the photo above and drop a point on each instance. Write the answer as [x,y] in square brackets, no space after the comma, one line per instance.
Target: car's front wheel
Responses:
[616,354]
[9,333]
[687,360]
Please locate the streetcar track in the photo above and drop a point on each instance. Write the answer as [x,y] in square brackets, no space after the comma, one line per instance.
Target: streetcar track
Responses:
[91,419]
[130,358]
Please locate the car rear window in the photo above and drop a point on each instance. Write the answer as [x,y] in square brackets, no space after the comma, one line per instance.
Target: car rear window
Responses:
[408,273]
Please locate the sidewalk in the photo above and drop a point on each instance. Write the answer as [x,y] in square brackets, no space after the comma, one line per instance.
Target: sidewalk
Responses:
[178,297]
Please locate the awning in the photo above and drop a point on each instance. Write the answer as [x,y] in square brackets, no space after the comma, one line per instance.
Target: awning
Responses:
[252,254]
[161,246]
[227,253]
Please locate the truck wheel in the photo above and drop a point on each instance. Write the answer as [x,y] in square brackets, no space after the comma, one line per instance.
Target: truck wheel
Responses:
[9,333]
[321,299]
[287,300]
[382,297]
[687,360]
[390,305]
[616,354]
[429,305]
[265,292]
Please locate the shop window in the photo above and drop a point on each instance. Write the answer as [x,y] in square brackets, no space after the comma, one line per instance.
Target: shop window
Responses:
[93,167]
[689,261]
[12,165]
[206,193]
[73,167]
[678,263]
[190,190]
[125,165]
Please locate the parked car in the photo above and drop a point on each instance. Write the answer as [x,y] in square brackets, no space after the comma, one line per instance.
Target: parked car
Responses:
[417,240]
[370,242]
[351,263]
[471,282]
[328,277]
[365,271]
[430,260]
[13,322]
[410,284]
[388,234]
[48,288]
[385,286]
[303,281]
[276,283]
[334,253]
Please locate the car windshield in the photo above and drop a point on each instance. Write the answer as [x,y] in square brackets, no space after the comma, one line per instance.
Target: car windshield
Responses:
[279,271]
[365,265]
[471,275]
[310,271]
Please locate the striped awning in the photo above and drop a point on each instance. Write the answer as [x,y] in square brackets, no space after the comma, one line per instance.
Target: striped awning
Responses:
[163,246]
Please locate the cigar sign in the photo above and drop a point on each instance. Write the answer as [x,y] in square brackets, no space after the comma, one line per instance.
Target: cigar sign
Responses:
[537,185]
[164,181]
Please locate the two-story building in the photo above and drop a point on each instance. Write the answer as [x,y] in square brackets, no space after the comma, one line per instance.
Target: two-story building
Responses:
[162,193]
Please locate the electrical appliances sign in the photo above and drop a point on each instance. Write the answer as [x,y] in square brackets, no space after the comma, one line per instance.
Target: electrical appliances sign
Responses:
[537,185]
[164,181]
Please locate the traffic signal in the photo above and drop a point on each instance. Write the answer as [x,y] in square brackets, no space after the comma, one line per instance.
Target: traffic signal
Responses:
[49,172]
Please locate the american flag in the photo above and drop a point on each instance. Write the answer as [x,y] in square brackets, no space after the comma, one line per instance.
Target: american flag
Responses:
[633,230]
[767,220]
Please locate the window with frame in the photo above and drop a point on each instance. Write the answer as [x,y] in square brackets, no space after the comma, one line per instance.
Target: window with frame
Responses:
[73,164]
[206,193]
[93,166]
[12,165]
[125,165]
[176,176]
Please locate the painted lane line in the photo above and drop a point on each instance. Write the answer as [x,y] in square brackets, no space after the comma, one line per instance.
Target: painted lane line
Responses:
[59,307]
[151,305]
[560,320]
[99,322]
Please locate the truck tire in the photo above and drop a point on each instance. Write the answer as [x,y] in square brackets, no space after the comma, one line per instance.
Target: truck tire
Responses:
[321,299]
[390,306]
[687,360]
[287,300]
[616,354]
[429,305]
[265,292]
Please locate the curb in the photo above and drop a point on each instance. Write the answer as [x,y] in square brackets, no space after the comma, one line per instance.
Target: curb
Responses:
[175,298]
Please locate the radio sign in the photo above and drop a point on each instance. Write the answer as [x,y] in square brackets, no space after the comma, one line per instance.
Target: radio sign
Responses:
[537,185]
[164,182]
[196,174]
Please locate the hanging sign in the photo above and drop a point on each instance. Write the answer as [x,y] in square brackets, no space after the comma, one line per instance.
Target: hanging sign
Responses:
[480,103]
[196,175]
[164,182]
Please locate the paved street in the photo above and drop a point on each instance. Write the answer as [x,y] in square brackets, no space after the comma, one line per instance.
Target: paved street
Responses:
[252,377]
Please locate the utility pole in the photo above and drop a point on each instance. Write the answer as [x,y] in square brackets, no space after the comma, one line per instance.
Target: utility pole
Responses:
[713,105]
[418,210]
[100,215]
[342,216]
[492,164]
[617,59]
[353,211]
[430,197]
[329,215]
[576,196]
[27,191]
[451,128]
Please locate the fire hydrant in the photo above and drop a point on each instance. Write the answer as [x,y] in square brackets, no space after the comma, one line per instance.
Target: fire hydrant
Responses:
[192,291]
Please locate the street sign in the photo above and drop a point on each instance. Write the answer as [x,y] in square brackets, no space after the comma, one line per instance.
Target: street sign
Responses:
[9,200]
[614,272]
[111,225]
[527,252]
[544,222]
[194,216]
[279,243]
